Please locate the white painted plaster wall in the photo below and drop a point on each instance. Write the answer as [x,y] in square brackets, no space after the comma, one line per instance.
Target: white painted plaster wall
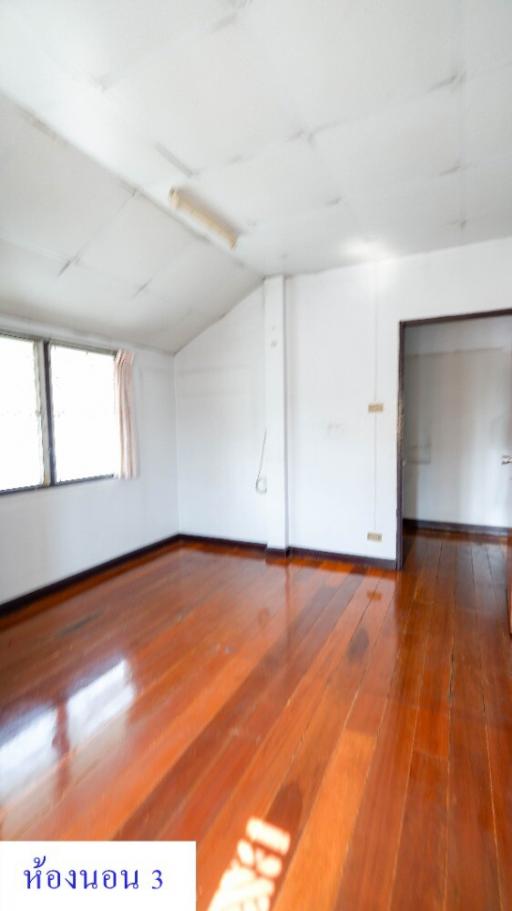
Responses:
[343,352]
[46,535]
[275,467]
[331,380]
[220,387]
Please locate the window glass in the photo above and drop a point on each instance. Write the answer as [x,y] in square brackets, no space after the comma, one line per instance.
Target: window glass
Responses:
[21,442]
[86,436]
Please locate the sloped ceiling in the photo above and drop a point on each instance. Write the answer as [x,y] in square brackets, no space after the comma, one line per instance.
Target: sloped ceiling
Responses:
[327,132]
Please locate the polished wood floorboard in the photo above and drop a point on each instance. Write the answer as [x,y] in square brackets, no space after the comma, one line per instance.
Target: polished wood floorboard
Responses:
[334,738]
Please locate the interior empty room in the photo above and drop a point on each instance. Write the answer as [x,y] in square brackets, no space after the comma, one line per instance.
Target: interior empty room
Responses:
[256,455]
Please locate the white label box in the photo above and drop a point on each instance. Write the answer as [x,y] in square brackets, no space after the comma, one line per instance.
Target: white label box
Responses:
[99,875]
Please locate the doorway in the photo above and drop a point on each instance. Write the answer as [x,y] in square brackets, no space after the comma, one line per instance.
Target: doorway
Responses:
[455,425]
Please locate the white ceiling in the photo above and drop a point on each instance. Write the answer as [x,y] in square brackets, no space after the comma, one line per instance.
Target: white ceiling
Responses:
[326,131]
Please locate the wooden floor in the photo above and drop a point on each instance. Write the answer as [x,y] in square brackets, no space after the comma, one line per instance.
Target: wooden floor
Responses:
[332,737]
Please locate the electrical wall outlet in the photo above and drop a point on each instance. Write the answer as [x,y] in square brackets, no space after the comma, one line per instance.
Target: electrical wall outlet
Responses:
[374,536]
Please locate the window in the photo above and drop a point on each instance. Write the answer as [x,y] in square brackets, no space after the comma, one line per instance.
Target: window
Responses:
[85,437]
[21,438]
[58,419]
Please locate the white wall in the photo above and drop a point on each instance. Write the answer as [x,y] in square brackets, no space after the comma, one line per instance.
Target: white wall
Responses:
[331,380]
[220,388]
[275,466]
[46,535]
[343,353]
[458,421]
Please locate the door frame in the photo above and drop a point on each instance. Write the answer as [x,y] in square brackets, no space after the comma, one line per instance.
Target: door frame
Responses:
[402,326]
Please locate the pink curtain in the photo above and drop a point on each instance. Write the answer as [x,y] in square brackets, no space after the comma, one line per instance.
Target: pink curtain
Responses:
[126,414]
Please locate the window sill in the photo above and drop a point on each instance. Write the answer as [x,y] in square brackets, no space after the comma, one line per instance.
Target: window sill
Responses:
[56,484]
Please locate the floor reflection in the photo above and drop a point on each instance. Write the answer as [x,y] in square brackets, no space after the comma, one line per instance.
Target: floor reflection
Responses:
[49,733]
[99,701]
[28,752]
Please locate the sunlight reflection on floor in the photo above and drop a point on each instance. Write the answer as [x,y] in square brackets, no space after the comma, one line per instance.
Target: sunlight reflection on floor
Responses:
[249,882]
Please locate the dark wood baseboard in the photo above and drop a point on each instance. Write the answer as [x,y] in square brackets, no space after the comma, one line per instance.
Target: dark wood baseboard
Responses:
[222,542]
[492,531]
[102,569]
[277,553]
[358,559]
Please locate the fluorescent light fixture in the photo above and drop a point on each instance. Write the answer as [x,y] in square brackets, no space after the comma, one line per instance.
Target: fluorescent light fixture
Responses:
[185,204]
[367,250]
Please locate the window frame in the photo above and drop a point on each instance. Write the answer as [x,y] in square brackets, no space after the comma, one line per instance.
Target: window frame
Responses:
[44,390]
